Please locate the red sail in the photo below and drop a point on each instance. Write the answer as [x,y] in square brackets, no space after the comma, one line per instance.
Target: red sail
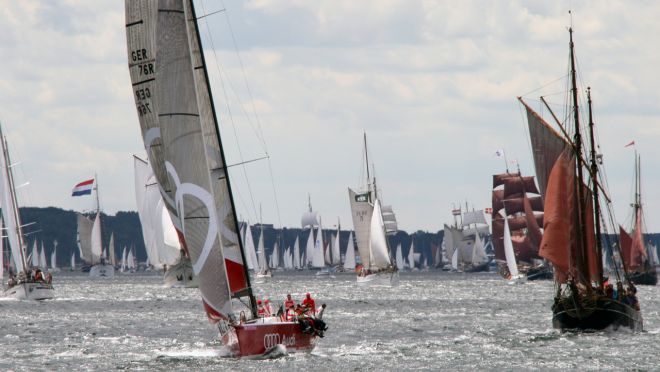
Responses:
[497,237]
[498,201]
[533,228]
[637,248]
[559,220]
[516,205]
[626,244]
[519,185]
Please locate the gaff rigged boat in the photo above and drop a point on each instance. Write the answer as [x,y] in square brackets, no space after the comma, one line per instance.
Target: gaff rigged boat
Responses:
[572,239]
[372,223]
[24,285]
[180,132]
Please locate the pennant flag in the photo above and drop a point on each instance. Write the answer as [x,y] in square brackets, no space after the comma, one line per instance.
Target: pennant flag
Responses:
[83,188]
[499,152]
[488,210]
[632,143]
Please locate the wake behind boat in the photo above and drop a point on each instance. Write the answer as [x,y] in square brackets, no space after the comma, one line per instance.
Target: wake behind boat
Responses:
[181,135]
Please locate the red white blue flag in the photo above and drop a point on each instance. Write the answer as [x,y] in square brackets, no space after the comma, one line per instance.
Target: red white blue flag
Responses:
[83,188]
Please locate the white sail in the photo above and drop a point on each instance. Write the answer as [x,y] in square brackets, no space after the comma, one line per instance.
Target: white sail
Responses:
[327,252]
[97,245]
[309,249]
[43,264]
[454,260]
[508,250]
[111,250]
[130,263]
[296,254]
[261,253]
[349,259]
[35,254]
[309,219]
[399,257]
[250,251]
[479,252]
[73,261]
[474,217]
[411,255]
[276,256]
[389,220]
[10,214]
[336,259]
[53,260]
[361,211]
[124,265]
[318,259]
[378,246]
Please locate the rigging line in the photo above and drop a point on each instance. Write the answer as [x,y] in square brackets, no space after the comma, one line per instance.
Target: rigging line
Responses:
[254,109]
[229,111]
[210,14]
[544,85]
[247,86]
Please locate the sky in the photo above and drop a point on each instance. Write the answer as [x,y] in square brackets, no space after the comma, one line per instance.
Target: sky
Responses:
[432,83]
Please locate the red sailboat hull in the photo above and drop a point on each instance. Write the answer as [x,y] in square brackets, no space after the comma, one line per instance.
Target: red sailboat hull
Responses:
[255,339]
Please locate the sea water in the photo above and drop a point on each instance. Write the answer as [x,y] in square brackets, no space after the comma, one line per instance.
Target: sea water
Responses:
[431,321]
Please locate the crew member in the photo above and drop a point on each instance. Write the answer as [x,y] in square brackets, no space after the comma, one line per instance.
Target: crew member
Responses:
[261,312]
[289,303]
[309,303]
[268,311]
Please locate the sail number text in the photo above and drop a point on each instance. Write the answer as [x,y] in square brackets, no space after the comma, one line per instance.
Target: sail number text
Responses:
[142,98]
[146,68]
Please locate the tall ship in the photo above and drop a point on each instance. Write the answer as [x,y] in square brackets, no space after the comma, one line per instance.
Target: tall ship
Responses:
[639,258]
[464,241]
[90,234]
[184,145]
[568,169]
[25,282]
[517,199]
[372,222]
[161,241]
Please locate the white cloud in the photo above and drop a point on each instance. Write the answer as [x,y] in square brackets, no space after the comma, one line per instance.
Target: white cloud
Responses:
[432,82]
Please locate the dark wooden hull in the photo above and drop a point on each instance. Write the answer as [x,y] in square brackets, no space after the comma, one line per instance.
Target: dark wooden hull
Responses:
[479,268]
[601,313]
[649,277]
[540,273]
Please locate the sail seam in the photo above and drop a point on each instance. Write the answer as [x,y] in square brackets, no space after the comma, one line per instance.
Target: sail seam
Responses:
[134,23]
[143,81]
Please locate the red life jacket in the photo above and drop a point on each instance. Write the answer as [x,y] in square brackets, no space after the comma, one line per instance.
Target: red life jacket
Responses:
[261,312]
[289,303]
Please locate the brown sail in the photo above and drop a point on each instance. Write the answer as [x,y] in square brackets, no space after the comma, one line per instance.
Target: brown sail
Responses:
[558,227]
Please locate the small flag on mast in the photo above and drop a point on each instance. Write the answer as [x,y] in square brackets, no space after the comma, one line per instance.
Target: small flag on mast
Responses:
[632,143]
[83,188]
[499,152]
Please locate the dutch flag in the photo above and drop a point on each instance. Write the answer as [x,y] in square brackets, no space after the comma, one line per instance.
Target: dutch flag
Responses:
[83,188]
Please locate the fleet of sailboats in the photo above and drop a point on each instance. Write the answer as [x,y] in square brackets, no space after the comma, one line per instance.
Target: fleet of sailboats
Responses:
[464,246]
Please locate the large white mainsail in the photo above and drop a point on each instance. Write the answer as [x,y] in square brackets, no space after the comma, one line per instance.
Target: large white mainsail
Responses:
[508,250]
[97,244]
[378,246]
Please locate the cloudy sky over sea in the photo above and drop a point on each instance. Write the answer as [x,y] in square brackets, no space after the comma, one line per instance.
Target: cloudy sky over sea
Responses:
[433,84]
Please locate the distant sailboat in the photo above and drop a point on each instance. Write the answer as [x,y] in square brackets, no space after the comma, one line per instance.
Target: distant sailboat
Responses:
[399,258]
[53,259]
[161,241]
[638,257]
[23,286]
[463,238]
[263,271]
[370,230]
[349,258]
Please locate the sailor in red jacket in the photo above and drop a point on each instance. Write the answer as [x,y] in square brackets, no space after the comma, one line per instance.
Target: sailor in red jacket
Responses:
[261,312]
[309,303]
[289,303]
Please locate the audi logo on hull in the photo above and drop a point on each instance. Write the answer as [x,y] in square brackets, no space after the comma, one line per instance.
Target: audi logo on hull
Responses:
[272,339]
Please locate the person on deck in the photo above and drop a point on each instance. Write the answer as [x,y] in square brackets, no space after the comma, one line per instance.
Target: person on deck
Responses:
[309,303]
[261,312]
[289,303]
[37,276]
[267,309]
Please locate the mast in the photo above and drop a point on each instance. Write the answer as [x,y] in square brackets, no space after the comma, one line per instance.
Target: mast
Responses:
[253,302]
[594,182]
[98,214]
[12,194]
[581,263]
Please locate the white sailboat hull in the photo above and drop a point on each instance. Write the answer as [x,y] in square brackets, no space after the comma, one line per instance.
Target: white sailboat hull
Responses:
[180,275]
[31,291]
[388,278]
[102,271]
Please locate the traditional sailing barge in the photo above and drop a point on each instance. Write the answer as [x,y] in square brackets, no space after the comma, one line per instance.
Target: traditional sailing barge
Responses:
[180,132]
[572,239]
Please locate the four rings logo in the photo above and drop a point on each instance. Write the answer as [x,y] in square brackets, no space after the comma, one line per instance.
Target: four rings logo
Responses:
[272,339]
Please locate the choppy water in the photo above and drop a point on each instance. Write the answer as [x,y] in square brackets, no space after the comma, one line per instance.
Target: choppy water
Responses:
[430,321]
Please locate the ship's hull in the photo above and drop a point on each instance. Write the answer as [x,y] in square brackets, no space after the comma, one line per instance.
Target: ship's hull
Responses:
[601,313]
[258,338]
[31,291]
[180,275]
[540,273]
[649,277]
[388,278]
[102,271]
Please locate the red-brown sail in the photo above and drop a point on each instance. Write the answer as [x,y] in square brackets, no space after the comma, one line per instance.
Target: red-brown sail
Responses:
[558,227]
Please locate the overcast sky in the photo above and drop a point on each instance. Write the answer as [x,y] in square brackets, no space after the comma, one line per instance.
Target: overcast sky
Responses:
[433,84]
